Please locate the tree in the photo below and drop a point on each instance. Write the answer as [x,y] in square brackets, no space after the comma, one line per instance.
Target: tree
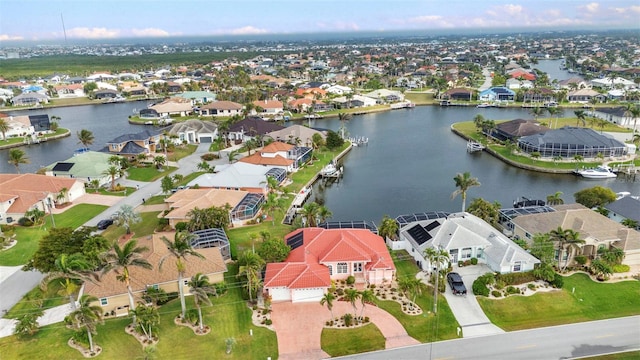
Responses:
[148,317]
[273,250]
[324,214]
[113,172]
[89,87]
[4,127]
[60,241]
[555,198]
[366,296]
[126,217]
[232,155]
[159,161]
[251,268]
[333,140]
[204,166]
[601,269]
[328,298]
[567,240]
[310,213]
[180,249]
[17,157]
[595,196]
[630,223]
[87,316]
[485,210]
[69,273]
[213,217]
[200,288]
[344,118]
[406,286]
[62,195]
[580,117]
[166,184]
[352,295]
[543,248]
[478,121]
[612,255]
[388,228]
[536,112]
[85,137]
[27,325]
[121,259]
[464,182]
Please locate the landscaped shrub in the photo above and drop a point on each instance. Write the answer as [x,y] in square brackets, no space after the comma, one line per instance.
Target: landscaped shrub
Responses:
[557,282]
[474,261]
[192,316]
[512,290]
[340,292]
[23,221]
[209,156]
[480,288]
[621,268]
[460,263]
[496,293]
[487,278]
[366,319]
[499,284]
[348,318]
[580,259]
[181,226]
[531,286]
[268,322]
[351,280]
[516,278]
[221,288]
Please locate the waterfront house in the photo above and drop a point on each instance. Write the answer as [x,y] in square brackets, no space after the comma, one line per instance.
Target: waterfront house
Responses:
[355,101]
[570,141]
[584,96]
[514,129]
[627,207]
[539,95]
[173,106]
[278,154]
[463,236]
[221,108]
[268,107]
[85,167]
[194,131]
[29,99]
[497,93]
[617,115]
[198,97]
[240,176]
[70,91]
[385,96]
[296,134]
[319,256]
[105,94]
[457,94]
[20,193]
[250,128]
[130,145]
[243,205]
[18,126]
[112,294]
[595,229]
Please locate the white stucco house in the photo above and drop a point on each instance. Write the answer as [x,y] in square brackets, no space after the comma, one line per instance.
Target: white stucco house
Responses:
[463,236]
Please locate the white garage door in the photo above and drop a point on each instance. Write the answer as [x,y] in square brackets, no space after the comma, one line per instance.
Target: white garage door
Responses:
[306,295]
[206,139]
[280,294]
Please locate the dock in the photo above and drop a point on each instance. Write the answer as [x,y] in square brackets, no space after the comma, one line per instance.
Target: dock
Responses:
[473,146]
[359,141]
[296,205]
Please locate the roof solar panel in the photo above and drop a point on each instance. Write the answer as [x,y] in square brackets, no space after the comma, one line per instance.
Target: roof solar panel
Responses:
[63,166]
[419,234]
[432,226]
[296,240]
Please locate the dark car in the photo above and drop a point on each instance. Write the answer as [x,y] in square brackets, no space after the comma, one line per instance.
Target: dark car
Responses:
[103,224]
[457,286]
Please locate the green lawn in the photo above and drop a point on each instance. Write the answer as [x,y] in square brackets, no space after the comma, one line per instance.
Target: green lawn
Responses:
[155,200]
[228,317]
[341,342]
[103,191]
[631,355]
[148,174]
[590,301]
[419,98]
[37,298]
[144,228]
[29,237]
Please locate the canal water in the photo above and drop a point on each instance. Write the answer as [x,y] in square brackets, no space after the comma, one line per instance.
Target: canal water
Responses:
[408,165]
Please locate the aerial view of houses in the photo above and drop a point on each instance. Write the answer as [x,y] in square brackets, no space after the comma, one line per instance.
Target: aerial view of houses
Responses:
[256,194]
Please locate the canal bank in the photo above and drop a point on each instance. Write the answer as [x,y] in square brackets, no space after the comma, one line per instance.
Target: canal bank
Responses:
[40,140]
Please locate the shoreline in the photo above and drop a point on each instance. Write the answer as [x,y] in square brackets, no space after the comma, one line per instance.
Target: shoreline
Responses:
[20,144]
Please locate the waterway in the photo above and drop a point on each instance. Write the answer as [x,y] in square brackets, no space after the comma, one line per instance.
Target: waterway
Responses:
[407,167]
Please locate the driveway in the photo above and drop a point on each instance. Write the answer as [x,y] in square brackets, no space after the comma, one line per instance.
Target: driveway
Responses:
[466,308]
[299,327]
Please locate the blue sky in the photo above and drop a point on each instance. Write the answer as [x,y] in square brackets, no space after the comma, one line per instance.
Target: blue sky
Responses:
[109,19]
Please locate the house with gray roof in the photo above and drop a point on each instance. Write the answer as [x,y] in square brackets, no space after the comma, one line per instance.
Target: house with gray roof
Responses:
[194,131]
[240,176]
[134,144]
[86,167]
[570,141]
[29,99]
[627,207]
[463,236]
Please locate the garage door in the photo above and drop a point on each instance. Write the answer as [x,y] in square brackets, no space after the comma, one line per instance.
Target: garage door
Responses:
[206,139]
[307,295]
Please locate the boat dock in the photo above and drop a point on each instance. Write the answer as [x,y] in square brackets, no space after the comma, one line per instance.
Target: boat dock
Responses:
[296,205]
[359,141]
[473,146]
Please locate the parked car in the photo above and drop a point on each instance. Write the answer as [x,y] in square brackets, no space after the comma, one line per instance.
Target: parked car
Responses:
[103,224]
[457,286]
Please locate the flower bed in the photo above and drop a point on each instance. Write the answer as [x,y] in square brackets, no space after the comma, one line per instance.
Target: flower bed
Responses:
[195,328]
[142,339]
[261,317]
[83,350]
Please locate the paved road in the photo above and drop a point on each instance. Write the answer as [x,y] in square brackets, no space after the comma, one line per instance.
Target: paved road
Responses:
[14,284]
[557,342]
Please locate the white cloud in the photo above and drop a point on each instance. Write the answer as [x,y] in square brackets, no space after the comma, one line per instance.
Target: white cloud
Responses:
[6,37]
[149,32]
[247,30]
[633,9]
[511,9]
[591,7]
[93,33]
[425,19]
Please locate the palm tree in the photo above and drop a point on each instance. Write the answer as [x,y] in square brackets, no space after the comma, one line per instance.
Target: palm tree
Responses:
[635,114]
[581,117]
[464,182]
[87,316]
[159,161]
[251,267]
[121,259]
[388,228]
[62,195]
[344,118]
[4,127]
[70,271]
[324,213]
[113,172]
[126,217]
[200,288]
[555,199]
[352,295]
[554,111]
[536,112]
[148,317]
[328,299]
[365,297]
[180,248]
[17,157]
[310,212]
[85,137]
[232,155]
[568,240]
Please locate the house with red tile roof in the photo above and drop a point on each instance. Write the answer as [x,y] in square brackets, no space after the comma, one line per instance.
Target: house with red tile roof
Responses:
[319,256]
[269,107]
[20,193]
[279,154]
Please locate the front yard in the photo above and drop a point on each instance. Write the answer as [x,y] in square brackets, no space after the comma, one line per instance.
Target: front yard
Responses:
[341,342]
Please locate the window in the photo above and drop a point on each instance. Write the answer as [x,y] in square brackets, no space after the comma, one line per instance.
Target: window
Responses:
[466,253]
[104,301]
[480,253]
[517,266]
[357,267]
[342,268]
[528,236]
[186,282]
[156,286]
[330,269]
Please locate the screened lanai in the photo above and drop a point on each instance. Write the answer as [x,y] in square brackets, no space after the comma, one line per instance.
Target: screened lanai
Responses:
[214,237]
[248,208]
[568,142]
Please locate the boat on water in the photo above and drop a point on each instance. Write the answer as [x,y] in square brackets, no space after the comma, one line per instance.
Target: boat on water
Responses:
[600,172]
[484,105]
[525,202]
[330,169]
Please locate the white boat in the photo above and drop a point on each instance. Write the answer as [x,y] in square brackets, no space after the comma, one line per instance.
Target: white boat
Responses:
[329,169]
[484,105]
[600,172]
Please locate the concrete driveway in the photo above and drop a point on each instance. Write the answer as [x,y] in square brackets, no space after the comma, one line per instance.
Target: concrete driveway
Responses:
[466,308]
[299,327]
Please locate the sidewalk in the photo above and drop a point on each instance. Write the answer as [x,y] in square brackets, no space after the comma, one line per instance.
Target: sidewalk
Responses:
[50,316]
